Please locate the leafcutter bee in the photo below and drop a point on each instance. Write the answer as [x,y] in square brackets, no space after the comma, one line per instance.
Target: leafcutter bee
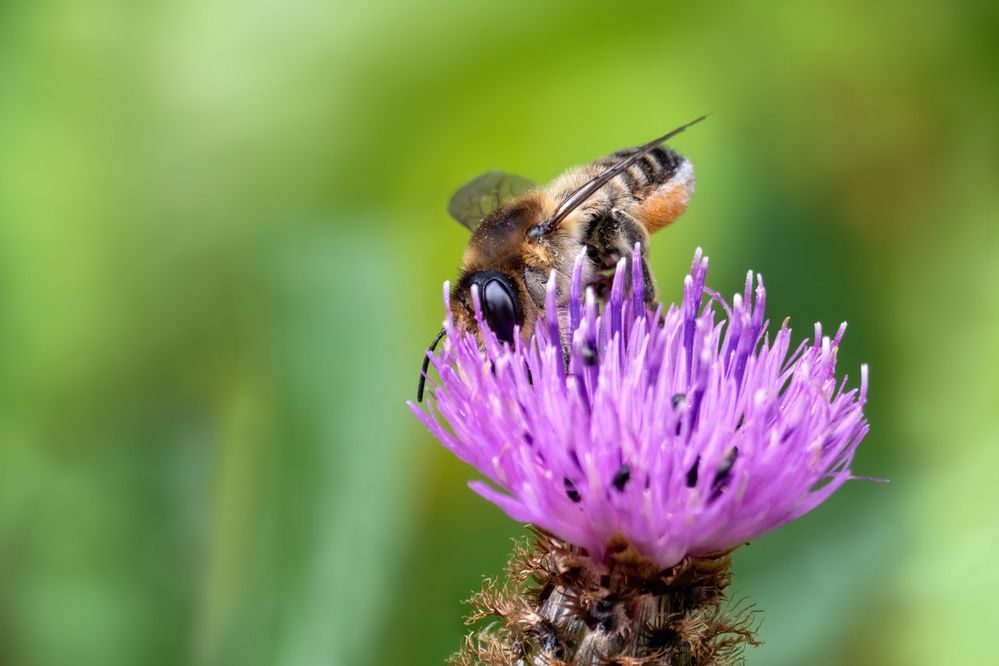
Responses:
[521,232]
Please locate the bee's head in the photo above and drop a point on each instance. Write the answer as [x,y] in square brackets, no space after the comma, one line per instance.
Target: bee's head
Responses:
[501,301]
[501,298]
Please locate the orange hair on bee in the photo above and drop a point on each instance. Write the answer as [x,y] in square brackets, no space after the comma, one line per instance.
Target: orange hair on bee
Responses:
[667,202]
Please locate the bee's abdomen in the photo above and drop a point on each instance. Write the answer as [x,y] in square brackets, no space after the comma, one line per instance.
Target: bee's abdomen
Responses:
[649,172]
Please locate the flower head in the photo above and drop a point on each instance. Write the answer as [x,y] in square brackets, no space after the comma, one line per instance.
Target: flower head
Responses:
[679,433]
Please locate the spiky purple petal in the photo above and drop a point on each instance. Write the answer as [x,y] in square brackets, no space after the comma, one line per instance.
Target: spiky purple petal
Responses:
[684,435]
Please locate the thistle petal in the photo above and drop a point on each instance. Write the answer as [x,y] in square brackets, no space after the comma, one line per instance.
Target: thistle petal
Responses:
[684,435]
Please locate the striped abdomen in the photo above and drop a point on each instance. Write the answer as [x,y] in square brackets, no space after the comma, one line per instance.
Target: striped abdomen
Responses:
[649,194]
[655,190]
[652,170]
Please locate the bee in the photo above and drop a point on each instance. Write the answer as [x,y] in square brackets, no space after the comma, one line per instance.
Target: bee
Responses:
[521,233]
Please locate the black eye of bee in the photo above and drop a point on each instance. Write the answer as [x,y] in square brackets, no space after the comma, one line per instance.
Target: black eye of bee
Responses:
[499,309]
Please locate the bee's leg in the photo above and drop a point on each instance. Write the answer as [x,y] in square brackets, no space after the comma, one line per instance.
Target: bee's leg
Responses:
[631,232]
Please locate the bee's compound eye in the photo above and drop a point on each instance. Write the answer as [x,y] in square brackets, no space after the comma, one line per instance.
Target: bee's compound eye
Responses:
[499,309]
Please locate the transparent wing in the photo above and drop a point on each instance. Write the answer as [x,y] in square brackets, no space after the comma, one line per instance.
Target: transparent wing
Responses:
[484,195]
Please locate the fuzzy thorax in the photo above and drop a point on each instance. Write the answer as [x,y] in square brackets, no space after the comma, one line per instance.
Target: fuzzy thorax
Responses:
[558,607]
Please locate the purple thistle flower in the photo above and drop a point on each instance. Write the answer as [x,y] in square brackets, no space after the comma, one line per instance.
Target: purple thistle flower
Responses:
[684,435]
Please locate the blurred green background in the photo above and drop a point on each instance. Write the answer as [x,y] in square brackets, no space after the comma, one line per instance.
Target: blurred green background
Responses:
[222,239]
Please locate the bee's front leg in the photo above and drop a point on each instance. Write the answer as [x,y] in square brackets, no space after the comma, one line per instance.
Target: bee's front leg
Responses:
[631,231]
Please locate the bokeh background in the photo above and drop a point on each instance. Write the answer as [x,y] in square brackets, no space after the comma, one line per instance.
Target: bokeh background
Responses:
[222,239]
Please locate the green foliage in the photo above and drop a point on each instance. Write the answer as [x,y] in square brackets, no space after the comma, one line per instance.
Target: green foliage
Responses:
[205,456]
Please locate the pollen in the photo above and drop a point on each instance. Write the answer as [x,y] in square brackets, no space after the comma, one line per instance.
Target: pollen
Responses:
[665,205]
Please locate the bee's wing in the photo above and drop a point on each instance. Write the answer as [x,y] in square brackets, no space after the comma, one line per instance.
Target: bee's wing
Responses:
[484,195]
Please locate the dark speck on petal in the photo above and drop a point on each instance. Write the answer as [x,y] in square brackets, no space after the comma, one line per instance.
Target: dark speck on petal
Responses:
[723,473]
[692,473]
[570,490]
[622,477]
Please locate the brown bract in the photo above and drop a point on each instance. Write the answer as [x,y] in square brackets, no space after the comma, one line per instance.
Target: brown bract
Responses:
[557,607]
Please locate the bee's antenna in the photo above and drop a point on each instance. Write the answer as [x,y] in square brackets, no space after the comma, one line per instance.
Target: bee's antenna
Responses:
[426,365]
[586,190]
